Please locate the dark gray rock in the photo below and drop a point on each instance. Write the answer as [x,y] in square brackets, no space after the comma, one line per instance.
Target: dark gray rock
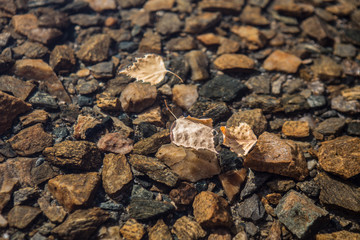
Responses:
[344,50]
[353,128]
[331,126]
[24,195]
[215,110]
[316,101]
[142,209]
[103,70]
[228,160]
[43,100]
[87,87]
[265,102]
[128,46]
[251,208]
[138,192]
[163,26]
[310,188]
[259,84]
[254,181]
[295,102]
[86,20]
[85,101]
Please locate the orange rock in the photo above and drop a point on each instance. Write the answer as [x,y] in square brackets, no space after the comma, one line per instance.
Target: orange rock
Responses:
[234,61]
[297,129]
[25,23]
[132,230]
[282,61]
[156,5]
[185,228]
[185,95]
[36,116]
[250,34]
[110,21]
[209,39]
[152,115]
[137,96]
[159,231]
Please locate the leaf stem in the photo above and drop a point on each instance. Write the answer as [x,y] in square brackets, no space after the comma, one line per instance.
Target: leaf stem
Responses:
[175,75]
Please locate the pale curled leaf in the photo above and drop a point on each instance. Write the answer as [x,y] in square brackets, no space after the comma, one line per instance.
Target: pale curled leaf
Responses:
[193,134]
[150,68]
[241,139]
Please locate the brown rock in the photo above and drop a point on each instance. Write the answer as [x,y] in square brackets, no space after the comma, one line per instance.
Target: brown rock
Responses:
[152,115]
[53,212]
[155,169]
[209,39]
[132,230]
[275,231]
[185,228]
[137,96]
[44,35]
[345,235]
[110,233]
[42,173]
[351,93]
[326,68]
[342,9]
[252,15]
[74,191]
[24,23]
[18,88]
[62,58]
[163,26]
[95,49]
[102,5]
[4,199]
[153,143]
[254,118]
[36,116]
[150,43]
[107,102]
[185,95]
[83,124]
[116,143]
[81,224]
[232,181]
[22,216]
[116,174]
[316,28]
[199,23]
[39,140]
[234,61]
[255,38]
[282,61]
[341,156]
[274,155]
[189,164]
[228,46]
[281,185]
[30,50]
[220,234]
[224,6]
[10,107]
[181,44]
[160,231]
[74,154]
[183,195]
[211,211]
[3,222]
[198,62]
[296,129]
[140,17]
[294,9]
[39,70]
[156,5]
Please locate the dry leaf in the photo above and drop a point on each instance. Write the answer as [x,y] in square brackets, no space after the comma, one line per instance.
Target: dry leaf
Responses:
[240,139]
[191,132]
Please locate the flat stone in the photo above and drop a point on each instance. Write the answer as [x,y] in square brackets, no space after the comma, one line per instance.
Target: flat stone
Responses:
[294,102]
[186,228]
[234,62]
[337,235]
[159,231]
[279,185]
[74,154]
[310,188]
[266,103]
[299,214]
[36,116]
[340,104]
[211,211]
[199,23]
[81,224]
[214,110]
[156,5]
[351,93]
[102,5]
[150,43]
[50,18]
[254,118]
[274,155]
[331,126]
[17,87]
[228,46]
[153,168]
[132,230]
[142,209]
[3,222]
[22,216]
[30,50]
[107,102]
[252,15]
[62,58]
[84,126]
[152,115]
[137,96]
[86,20]
[353,128]
[185,95]
[163,26]
[4,199]
[316,28]
[140,17]
[43,172]
[183,195]
[95,49]
[251,208]
[297,129]
[44,35]
[198,62]
[223,88]
[181,44]
[336,193]
[24,195]
[103,70]
[209,39]
[232,182]
[326,68]
[116,143]
[259,84]
[344,50]
[294,9]
[116,174]
[39,70]
[74,191]
[53,212]
[10,107]
[254,37]
[24,23]
[282,61]
[6,63]
[153,143]
[222,6]
[44,100]
[189,164]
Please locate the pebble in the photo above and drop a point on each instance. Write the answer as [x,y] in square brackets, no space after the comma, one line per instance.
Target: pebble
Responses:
[150,43]
[3,222]
[344,50]
[294,102]
[103,70]
[152,116]
[153,143]
[232,181]
[18,88]
[281,185]
[254,37]
[189,164]
[86,20]
[226,6]
[24,195]
[184,194]
[53,212]
[22,216]
[198,62]
[234,62]
[228,46]
[156,5]
[132,230]
[159,231]
[214,110]
[30,50]
[340,104]
[313,27]
[297,129]
[254,118]
[102,5]
[84,126]
[299,214]
[62,59]
[282,61]
[353,128]
[199,23]
[115,143]
[186,228]
[259,84]
[43,100]
[163,26]
[95,49]
[36,116]
[252,15]
[326,68]
[137,96]
[142,209]
[316,101]
[331,126]
[264,102]
[116,174]
[185,95]
[181,44]
[310,188]
[338,235]
[251,208]
[107,102]
[74,191]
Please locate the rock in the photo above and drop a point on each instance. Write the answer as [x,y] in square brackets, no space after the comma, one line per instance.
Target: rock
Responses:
[198,62]
[156,5]
[297,129]
[22,216]
[209,39]
[281,185]
[43,172]
[163,26]
[199,23]
[150,43]
[18,88]
[110,233]
[252,35]
[292,85]
[185,228]
[252,15]
[153,168]
[189,164]
[142,209]
[234,62]
[153,143]
[81,224]
[326,68]
[10,107]
[24,23]
[340,104]
[294,102]
[159,231]
[351,93]
[74,154]
[152,115]
[227,6]
[86,20]
[251,208]
[294,9]
[107,102]
[353,128]
[222,87]
[310,188]
[220,234]
[316,101]
[30,50]
[4,199]
[36,116]
[183,195]
[132,230]
[6,62]
[305,215]
[259,84]
[53,212]
[40,140]
[39,70]
[316,28]
[211,211]
[116,143]
[344,50]
[74,191]
[274,155]
[282,61]
[24,195]
[185,95]
[338,235]
[214,110]
[84,125]
[181,44]
[44,35]
[62,58]
[3,222]
[95,49]
[232,181]
[264,102]
[137,96]
[340,156]
[331,126]
[255,118]
[116,174]
[228,46]
[102,5]
[103,70]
